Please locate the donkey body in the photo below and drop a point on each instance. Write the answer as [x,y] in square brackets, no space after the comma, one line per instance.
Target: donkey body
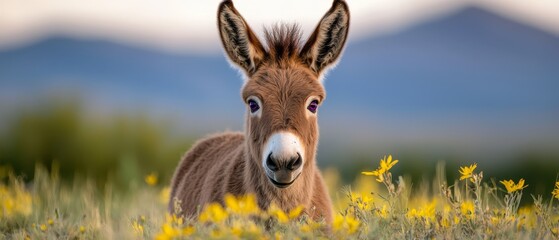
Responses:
[275,158]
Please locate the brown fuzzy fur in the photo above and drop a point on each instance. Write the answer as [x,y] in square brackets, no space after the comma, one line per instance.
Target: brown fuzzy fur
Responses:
[283,76]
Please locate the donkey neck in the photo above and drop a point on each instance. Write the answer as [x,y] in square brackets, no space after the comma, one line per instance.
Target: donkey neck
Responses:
[298,194]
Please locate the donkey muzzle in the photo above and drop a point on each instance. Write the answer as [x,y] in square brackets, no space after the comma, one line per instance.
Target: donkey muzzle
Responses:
[282,158]
[282,173]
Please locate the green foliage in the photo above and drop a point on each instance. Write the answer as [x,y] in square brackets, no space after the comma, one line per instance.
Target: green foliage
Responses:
[50,209]
[119,148]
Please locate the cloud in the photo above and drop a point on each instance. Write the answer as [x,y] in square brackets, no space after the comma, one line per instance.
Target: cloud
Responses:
[187,25]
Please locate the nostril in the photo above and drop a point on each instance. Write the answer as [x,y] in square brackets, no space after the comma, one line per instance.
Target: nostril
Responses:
[271,163]
[295,163]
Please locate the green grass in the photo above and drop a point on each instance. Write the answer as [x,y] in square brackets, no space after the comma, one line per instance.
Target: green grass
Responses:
[46,208]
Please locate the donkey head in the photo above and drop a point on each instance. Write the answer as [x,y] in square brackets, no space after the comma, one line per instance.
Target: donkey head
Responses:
[283,87]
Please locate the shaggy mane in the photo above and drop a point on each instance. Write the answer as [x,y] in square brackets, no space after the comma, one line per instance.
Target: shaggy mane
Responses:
[284,43]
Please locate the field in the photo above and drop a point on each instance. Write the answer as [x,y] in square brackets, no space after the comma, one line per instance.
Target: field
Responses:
[376,206]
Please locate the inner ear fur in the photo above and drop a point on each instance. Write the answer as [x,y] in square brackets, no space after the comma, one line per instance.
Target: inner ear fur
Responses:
[325,44]
[241,44]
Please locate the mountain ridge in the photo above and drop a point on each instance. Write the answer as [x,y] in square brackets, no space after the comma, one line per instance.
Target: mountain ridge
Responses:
[472,70]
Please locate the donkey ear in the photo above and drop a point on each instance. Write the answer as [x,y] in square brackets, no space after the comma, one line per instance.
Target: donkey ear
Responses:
[325,44]
[240,43]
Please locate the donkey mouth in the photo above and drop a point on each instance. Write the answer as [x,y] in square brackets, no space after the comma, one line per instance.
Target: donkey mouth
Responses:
[282,185]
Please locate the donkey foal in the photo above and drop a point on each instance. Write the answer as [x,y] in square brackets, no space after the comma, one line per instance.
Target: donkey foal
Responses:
[275,157]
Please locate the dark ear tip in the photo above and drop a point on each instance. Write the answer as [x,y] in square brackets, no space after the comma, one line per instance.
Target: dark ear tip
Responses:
[341,3]
[224,3]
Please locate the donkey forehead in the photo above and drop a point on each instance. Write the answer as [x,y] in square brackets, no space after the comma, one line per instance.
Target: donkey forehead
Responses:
[275,84]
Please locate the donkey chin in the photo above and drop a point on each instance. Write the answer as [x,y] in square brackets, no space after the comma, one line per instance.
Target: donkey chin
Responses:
[282,159]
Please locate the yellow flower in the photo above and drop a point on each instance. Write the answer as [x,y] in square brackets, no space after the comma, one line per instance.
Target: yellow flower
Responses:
[245,230]
[362,201]
[213,212]
[82,229]
[555,192]
[378,173]
[216,233]
[170,230]
[468,209]
[511,187]
[43,227]
[167,232]
[385,165]
[243,205]
[467,172]
[164,195]
[345,224]
[304,228]
[138,228]
[14,200]
[151,179]
[283,217]
[50,222]
[427,212]
[309,226]
[187,231]
[383,212]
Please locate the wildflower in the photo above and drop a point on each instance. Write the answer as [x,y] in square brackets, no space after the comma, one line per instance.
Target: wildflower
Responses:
[167,232]
[213,212]
[283,217]
[151,179]
[245,230]
[173,229]
[15,200]
[468,209]
[527,214]
[449,219]
[385,165]
[216,233]
[426,212]
[244,205]
[82,229]
[555,192]
[309,226]
[50,221]
[383,212]
[43,227]
[187,231]
[138,228]
[304,228]
[511,187]
[362,201]
[467,172]
[174,219]
[347,223]
[164,195]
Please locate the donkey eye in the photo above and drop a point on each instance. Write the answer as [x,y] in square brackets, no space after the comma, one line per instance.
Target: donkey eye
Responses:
[313,106]
[253,105]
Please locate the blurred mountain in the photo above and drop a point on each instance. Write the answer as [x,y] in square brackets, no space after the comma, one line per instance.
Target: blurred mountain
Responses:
[472,60]
[470,75]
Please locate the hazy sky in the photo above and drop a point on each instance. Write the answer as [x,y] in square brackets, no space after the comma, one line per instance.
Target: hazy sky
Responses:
[188,25]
